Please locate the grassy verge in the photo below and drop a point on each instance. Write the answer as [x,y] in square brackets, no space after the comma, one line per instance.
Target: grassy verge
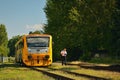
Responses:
[10,72]
[111,75]
[99,73]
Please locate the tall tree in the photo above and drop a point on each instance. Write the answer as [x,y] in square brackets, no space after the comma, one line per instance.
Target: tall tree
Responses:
[58,23]
[3,40]
[115,49]
[80,25]
[11,45]
[95,23]
[36,32]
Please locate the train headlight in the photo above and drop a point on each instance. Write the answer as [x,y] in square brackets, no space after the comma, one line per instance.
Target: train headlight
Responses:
[46,56]
[29,57]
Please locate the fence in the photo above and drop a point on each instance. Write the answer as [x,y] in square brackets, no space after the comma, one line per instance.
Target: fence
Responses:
[3,59]
[6,59]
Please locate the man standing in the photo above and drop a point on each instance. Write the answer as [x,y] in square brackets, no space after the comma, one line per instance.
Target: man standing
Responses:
[63,56]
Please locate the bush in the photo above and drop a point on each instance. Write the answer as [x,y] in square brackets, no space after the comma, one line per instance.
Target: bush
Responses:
[11,59]
[106,60]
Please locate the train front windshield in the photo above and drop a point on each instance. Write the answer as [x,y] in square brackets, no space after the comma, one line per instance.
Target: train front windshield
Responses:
[38,44]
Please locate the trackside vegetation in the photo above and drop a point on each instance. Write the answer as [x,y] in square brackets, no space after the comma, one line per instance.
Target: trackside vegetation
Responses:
[84,27]
[14,72]
[4,50]
[88,29]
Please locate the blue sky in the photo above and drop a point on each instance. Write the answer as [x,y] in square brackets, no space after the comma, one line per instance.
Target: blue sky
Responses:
[22,16]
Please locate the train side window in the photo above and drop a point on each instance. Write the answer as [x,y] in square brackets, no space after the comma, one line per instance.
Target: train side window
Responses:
[21,44]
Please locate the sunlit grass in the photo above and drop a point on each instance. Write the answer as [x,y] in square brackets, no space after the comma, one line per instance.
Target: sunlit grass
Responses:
[13,73]
[62,73]
[98,73]
[22,73]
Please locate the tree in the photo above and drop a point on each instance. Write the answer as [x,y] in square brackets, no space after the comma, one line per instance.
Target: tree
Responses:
[82,25]
[115,49]
[94,20]
[58,23]
[3,40]
[36,32]
[11,45]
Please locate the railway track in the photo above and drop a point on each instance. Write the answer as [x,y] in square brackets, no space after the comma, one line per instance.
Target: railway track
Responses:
[63,73]
[83,75]
[115,68]
[56,76]
[59,74]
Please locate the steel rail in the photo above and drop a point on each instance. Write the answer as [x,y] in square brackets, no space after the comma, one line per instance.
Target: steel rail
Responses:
[56,76]
[83,75]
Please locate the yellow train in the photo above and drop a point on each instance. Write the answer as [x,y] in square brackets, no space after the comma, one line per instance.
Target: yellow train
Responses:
[34,50]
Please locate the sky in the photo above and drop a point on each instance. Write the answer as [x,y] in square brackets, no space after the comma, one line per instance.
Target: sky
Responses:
[22,16]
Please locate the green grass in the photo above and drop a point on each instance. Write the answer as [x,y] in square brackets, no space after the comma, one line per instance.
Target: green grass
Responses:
[99,73]
[112,75]
[10,72]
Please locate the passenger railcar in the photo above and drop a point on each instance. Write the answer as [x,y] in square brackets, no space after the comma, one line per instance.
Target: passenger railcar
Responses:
[34,50]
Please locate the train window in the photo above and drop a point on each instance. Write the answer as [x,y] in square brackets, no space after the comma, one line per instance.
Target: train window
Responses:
[38,44]
[37,41]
